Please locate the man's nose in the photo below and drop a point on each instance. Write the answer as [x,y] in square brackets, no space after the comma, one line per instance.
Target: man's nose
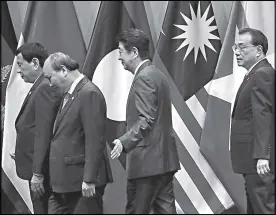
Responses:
[237,52]
[18,71]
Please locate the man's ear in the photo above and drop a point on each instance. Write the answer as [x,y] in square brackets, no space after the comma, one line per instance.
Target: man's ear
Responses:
[136,52]
[35,62]
[64,70]
[259,50]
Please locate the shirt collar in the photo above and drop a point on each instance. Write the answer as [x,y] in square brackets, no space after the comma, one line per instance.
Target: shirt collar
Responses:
[139,65]
[75,83]
[253,66]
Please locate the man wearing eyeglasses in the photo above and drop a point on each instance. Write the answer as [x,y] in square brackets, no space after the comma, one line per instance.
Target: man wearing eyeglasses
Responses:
[252,127]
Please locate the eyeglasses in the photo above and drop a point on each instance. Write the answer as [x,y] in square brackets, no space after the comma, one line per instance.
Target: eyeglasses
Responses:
[236,47]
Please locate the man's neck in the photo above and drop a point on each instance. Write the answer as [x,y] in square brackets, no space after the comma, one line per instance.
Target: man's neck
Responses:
[255,63]
[74,75]
[135,64]
[38,74]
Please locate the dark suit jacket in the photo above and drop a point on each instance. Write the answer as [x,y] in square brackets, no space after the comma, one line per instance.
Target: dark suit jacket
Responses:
[34,126]
[252,128]
[149,141]
[78,150]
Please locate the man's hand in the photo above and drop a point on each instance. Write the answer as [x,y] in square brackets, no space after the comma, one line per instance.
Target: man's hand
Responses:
[37,185]
[117,150]
[263,167]
[12,155]
[88,189]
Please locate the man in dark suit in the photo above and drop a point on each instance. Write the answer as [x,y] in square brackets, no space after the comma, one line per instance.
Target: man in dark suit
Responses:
[252,127]
[79,166]
[152,158]
[34,125]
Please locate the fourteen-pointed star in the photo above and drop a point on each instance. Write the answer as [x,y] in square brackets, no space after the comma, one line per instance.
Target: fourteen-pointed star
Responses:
[197,32]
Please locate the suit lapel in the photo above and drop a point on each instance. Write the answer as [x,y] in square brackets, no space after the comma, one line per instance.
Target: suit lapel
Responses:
[62,111]
[143,66]
[35,85]
[262,63]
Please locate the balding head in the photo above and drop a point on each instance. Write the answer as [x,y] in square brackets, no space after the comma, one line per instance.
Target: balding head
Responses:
[60,69]
[59,59]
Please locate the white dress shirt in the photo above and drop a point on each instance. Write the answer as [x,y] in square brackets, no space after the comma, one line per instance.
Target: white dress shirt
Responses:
[139,65]
[71,89]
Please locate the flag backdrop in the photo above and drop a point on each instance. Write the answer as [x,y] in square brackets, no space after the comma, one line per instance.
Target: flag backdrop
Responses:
[201,106]
[53,24]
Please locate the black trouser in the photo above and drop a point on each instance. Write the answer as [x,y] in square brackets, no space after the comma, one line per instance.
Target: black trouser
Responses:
[75,203]
[151,194]
[40,204]
[260,193]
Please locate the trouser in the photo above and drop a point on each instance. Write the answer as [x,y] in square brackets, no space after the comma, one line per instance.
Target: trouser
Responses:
[40,205]
[75,203]
[260,193]
[152,194]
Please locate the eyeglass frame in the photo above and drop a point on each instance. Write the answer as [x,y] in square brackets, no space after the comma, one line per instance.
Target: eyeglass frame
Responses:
[236,47]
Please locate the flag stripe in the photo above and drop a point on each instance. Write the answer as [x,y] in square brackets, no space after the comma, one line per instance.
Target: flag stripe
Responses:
[197,176]
[196,109]
[192,191]
[189,142]
[202,96]
[184,111]
[183,199]
[178,208]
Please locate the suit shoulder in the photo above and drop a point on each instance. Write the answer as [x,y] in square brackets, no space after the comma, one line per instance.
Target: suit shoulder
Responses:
[90,88]
[152,73]
[44,85]
[44,88]
[265,71]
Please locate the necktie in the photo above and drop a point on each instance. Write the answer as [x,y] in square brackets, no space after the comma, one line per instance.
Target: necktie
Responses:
[65,99]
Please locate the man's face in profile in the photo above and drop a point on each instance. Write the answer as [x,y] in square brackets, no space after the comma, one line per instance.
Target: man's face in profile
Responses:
[26,69]
[125,57]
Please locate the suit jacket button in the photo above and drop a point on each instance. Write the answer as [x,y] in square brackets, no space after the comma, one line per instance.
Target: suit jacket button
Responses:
[53,139]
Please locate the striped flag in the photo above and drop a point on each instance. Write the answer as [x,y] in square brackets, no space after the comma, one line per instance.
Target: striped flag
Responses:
[53,24]
[223,88]
[188,50]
